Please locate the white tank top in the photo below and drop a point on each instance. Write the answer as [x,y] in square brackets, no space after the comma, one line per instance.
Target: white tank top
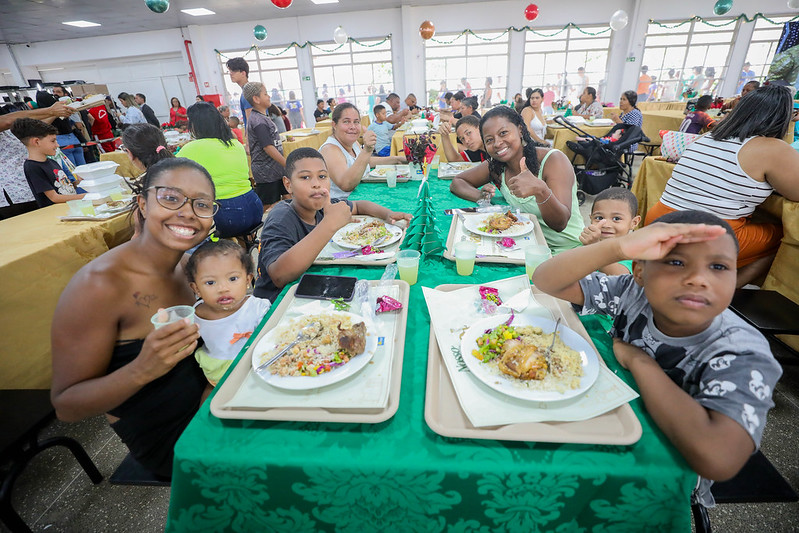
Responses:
[708,177]
[538,127]
[335,191]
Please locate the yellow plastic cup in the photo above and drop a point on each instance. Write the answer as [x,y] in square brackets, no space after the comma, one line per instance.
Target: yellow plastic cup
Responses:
[408,266]
[465,253]
[534,255]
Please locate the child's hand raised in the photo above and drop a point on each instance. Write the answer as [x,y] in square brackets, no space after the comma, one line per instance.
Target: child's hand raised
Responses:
[524,184]
[337,215]
[592,233]
[657,240]
[444,129]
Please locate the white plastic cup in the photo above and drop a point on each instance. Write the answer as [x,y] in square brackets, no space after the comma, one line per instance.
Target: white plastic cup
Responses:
[408,265]
[81,207]
[172,315]
[534,255]
[465,253]
[391,177]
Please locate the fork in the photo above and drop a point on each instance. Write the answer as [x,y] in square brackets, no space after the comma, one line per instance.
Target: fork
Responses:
[302,336]
[548,352]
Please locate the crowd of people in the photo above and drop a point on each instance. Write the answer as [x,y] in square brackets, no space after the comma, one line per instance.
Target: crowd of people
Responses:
[670,281]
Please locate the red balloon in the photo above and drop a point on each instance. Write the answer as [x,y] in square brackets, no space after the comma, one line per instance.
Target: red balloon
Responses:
[531,12]
[282,4]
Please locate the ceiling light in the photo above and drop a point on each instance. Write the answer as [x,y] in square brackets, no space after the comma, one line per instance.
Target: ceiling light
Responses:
[199,11]
[81,23]
[325,1]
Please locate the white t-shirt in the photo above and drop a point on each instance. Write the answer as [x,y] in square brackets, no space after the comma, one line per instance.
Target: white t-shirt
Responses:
[225,337]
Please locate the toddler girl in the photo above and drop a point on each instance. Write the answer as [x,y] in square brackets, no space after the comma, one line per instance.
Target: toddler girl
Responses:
[220,273]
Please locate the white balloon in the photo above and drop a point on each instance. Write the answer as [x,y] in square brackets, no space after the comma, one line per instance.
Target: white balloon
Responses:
[619,19]
[340,36]
[793,4]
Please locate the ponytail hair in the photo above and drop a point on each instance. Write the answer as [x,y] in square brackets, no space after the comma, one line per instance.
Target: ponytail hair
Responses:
[146,143]
[495,167]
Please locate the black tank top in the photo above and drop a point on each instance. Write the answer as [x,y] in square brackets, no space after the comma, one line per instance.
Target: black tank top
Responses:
[152,420]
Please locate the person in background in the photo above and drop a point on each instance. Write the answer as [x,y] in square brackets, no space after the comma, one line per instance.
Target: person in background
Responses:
[613,215]
[285,117]
[239,71]
[30,102]
[518,102]
[747,75]
[295,111]
[710,81]
[582,81]
[643,84]
[485,101]
[347,163]
[16,196]
[410,101]
[467,87]
[320,113]
[146,110]
[276,97]
[469,107]
[747,88]
[694,84]
[266,148]
[395,115]
[456,103]
[442,95]
[234,122]
[698,119]
[549,98]
[630,114]
[224,111]
[49,183]
[670,87]
[199,98]
[101,127]
[471,144]
[67,140]
[382,130]
[240,209]
[132,114]
[448,100]
[533,116]
[589,108]
[177,113]
[145,146]
[277,117]
[331,105]
[77,119]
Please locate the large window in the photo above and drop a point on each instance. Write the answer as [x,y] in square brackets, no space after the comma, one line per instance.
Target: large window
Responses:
[693,56]
[278,73]
[466,63]
[765,38]
[355,73]
[551,62]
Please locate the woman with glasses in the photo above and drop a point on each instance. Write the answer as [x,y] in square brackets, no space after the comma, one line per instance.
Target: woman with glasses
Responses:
[107,358]
[240,208]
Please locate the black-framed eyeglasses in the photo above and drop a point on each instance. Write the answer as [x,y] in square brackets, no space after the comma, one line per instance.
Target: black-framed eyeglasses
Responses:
[173,200]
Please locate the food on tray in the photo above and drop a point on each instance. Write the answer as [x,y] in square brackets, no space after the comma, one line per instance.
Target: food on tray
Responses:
[117,204]
[519,352]
[499,222]
[332,344]
[380,171]
[367,233]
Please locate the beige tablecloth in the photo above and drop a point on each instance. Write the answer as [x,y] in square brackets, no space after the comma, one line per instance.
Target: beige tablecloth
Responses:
[311,141]
[40,254]
[397,147]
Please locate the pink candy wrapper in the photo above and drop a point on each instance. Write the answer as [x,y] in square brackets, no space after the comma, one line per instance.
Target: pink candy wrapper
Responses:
[507,242]
[491,294]
[368,250]
[387,303]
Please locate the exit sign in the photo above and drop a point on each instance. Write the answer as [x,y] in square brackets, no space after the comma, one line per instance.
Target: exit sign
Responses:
[631,59]
[306,78]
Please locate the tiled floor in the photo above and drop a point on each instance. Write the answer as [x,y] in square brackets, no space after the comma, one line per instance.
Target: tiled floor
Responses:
[54,494]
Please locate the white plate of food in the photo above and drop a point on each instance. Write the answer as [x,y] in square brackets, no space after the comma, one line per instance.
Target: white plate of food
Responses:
[370,232]
[342,344]
[502,224]
[380,171]
[510,360]
[455,168]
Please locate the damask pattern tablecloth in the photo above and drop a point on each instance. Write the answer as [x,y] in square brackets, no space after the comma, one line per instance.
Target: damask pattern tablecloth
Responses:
[400,476]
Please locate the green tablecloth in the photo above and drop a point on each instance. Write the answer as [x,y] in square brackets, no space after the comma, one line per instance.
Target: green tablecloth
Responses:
[401,476]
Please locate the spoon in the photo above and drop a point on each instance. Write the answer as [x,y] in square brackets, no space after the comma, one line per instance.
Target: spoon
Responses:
[304,335]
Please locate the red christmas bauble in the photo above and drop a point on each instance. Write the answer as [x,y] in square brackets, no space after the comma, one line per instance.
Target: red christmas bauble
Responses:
[282,4]
[531,12]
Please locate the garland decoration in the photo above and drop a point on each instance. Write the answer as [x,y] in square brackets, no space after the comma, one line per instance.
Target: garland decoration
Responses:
[305,45]
[696,18]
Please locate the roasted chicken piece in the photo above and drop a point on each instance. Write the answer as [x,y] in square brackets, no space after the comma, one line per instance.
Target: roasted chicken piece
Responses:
[503,222]
[353,340]
[522,361]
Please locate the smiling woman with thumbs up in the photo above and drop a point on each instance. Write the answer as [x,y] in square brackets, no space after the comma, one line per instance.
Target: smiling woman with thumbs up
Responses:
[346,161]
[532,177]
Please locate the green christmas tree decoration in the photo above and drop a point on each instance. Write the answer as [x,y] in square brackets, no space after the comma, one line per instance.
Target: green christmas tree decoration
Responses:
[423,234]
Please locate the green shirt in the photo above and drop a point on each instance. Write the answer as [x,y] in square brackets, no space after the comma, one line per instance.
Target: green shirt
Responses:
[227,165]
[558,241]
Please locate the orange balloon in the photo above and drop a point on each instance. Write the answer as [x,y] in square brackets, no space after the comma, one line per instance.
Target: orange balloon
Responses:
[427,30]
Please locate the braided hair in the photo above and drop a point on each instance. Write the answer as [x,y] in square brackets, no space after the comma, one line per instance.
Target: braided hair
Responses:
[495,167]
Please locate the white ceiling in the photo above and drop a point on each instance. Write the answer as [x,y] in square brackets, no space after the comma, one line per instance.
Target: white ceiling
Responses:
[24,21]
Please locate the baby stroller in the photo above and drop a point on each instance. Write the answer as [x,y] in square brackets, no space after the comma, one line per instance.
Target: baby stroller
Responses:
[606,164]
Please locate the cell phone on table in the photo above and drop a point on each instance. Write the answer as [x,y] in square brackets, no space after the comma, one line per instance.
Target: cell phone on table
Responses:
[326,287]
